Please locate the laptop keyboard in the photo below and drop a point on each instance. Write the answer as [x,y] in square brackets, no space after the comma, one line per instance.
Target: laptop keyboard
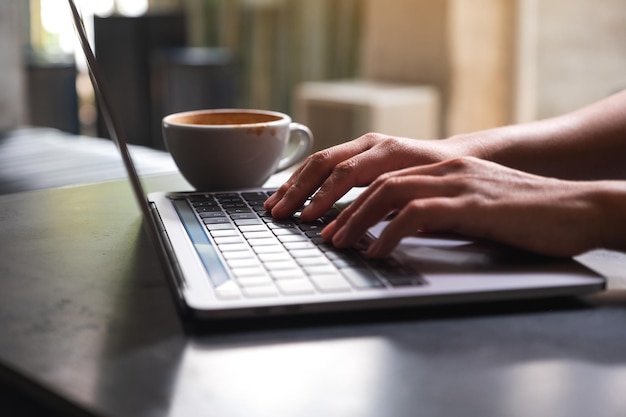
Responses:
[268,257]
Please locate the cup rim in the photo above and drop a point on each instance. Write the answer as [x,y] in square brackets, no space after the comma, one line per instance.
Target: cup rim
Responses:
[167,120]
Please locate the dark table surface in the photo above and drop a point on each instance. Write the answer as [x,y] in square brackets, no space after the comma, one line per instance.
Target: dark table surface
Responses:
[89,328]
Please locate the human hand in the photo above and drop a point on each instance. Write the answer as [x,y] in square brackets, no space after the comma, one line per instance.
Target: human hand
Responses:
[357,163]
[476,198]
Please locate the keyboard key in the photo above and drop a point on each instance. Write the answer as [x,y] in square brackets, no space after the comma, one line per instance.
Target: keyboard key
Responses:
[341,254]
[233,247]
[286,231]
[295,287]
[265,234]
[223,233]
[252,271]
[253,228]
[362,278]
[209,209]
[314,260]
[201,198]
[330,215]
[260,291]
[299,245]
[281,224]
[311,226]
[243,254]
[211,214]
[269,249]
[305,253]
[198,205]
[292,238]
[318,241]
[254,196]
[228,239]
[276,265]
[228,291]
[273,257]
[226,196]
[404,281]
[238,210]
[263,242]
[345,263]
[243,262]
[241,216]
[248,222]
[252,281]
[216,220]
[288,274]
[220,226]
[330,283]
[319,269]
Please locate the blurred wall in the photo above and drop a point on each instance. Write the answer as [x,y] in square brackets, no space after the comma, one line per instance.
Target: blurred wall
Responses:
[573,52]
[497,62]
[465,48]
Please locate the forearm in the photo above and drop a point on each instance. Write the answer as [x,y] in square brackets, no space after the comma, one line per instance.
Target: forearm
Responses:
[586,144]
[609,198]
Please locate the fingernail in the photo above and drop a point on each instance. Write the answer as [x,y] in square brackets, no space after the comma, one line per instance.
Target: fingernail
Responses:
[373,249]
[308,209]
[340,236]
[270,201]
[275,210]
[329,230]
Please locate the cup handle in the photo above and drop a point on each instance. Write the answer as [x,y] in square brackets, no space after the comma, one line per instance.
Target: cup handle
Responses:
[305,144]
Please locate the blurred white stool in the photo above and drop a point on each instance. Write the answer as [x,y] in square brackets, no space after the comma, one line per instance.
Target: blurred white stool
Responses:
[339,111]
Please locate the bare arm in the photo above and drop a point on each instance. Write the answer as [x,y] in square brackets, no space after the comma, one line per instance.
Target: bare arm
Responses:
[589,143]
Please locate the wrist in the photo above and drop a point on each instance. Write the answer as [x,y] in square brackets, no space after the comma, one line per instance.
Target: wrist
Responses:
[610,198]
[481,144]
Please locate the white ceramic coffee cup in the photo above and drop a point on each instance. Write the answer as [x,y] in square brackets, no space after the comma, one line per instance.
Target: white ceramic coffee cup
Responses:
[224,149]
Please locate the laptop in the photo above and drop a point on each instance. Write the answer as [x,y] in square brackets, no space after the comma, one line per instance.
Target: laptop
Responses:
[226,258]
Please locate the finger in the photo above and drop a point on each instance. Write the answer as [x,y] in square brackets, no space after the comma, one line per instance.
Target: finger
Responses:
[338,223]
[328,232]
[361,169]
[358,170]
[280,192]
[418,215]
[310,176]
[271,202]
[424,186]
[385,195]
[364,212]
[415,182]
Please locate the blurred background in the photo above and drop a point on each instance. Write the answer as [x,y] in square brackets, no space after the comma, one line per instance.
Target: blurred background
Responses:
[417,68]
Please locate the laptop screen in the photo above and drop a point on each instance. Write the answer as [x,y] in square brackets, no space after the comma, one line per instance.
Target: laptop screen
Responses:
[108,111]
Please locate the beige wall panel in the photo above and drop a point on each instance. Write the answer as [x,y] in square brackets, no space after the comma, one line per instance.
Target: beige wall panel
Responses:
[482,37]
[581,53]
[465,48]
[405,41]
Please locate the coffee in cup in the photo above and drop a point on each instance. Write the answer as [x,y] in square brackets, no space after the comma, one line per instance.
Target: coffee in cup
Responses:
[223,149]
